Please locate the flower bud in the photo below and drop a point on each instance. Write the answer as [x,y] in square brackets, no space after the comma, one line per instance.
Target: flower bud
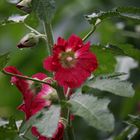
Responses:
[24,5]
[28,41]
[52,96]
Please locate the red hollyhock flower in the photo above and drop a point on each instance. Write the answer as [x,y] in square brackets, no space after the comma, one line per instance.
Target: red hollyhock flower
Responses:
[71,61]
[34,100]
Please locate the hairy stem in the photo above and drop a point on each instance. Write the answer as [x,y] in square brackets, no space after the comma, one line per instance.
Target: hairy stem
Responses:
[89,33]
[28,78]
[49,37]
[65,113]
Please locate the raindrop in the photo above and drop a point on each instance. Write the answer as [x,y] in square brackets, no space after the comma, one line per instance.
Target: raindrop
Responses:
[12,84]
[21,49]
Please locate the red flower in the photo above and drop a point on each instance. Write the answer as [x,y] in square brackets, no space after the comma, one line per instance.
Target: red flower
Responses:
[71,61]
[34,100]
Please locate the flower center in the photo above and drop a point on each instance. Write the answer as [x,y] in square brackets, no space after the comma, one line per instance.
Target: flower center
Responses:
[67,59]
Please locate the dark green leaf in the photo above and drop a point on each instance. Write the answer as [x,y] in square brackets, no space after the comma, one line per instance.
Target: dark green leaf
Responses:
[113,85]
[44,9]
[93,110]
[32,20]
[129,50]
[129,12]
[3,60]
[8,130]
[105,58]
[135,120]
[132,129]
[124,12]
[128,133]
[100,15]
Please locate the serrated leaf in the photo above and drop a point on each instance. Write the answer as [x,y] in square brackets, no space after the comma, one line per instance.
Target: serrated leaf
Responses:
[100,15]
[124,12]
[3,60]
[93,110]
[47,124]
[44,9]
[129,12]
[115,86]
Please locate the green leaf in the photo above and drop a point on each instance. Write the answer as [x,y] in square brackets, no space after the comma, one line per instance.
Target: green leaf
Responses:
[3,60]
[129,50]
[132,129]
[129,12]
[113,85]
[132,13]
[47,124]
[100,15]
[105,58]
[44,9]
[8,130]
[93,110]
[134,120]
[13,19]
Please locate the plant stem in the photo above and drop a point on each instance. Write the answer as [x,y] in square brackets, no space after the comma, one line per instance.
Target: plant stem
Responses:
[27,78]
[89,33]
[68,135]
[32,29]
[49,36]
[70,129]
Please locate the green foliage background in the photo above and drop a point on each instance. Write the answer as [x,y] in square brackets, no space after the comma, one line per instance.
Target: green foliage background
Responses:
[69,19]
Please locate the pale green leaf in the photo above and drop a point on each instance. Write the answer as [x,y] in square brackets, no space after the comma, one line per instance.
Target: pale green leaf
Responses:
[93,110]
[113,85]
[13,19]
[44,9]
[47,124]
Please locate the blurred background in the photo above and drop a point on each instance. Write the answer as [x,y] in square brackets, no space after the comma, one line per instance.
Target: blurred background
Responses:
[69,19]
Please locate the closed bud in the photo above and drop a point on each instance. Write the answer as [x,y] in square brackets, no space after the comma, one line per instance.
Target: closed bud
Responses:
[28,41]
[52,96]
[25,5]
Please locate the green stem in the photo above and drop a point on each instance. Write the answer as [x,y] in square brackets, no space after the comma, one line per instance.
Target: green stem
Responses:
[27,78]
[35,31]
[49,37]
[89,33]
[65,113]
[26,138]
[32,29]
[70,129]
[64,110]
